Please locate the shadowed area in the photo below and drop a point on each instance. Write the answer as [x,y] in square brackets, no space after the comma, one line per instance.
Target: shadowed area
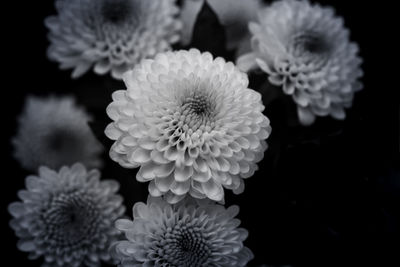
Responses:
[62,140]
[310,42]
[116,11]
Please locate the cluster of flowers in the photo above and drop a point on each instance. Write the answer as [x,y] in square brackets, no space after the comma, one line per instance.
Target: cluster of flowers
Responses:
[187,120]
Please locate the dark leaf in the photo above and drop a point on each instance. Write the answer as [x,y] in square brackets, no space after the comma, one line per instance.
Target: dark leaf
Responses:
[208,33]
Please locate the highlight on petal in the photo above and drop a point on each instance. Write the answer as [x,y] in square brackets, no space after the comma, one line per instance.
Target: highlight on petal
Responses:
[190,233]
[67,217]
[306,117]
[195,131]
[305,49]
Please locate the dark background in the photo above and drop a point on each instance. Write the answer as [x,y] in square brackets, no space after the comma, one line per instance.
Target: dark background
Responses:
[323,193]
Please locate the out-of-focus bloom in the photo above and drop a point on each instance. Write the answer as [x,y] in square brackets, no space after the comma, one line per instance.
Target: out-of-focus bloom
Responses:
[111,35]
[306,49]
[234,15]
[54,132]
[67,216]
[191,123]
[185,234]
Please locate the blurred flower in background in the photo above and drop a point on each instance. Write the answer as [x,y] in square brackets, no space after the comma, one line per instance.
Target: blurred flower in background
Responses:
[234,15]
[111,35]
[54,131]
[191,123]
[185,234]
[67,216]
[305,49]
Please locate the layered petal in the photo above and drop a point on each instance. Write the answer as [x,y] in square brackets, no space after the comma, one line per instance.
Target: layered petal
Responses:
[190,233]
[192,125]
[305,49]
[67,217]
[110,35]
[54,132]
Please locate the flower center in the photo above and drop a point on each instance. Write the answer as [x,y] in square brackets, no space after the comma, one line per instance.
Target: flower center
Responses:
[309,43]
[69,219]
[186,246]
[196,104]
[116,11]
[193,115]
[196,112]
[61,140]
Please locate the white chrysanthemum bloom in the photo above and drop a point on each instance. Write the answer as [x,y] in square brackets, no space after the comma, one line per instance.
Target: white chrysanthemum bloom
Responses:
[234,15]
[187,234]
[54,132]
[306,49]
[191,123]
[111,35]
[67,216]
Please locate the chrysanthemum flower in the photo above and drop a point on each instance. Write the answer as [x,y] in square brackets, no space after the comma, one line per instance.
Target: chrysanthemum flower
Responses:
[306,49]
[191,123]
[185,234]
[234,15]
[67,216]
[111,35]
[54,132]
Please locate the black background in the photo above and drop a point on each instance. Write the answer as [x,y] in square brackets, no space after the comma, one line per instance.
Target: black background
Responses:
[323,193]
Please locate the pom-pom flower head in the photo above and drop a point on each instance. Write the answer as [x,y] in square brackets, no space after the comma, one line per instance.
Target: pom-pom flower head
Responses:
[185,234]
[67,216]
[54,132]
[306,49]
[191,123]
[111,35]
